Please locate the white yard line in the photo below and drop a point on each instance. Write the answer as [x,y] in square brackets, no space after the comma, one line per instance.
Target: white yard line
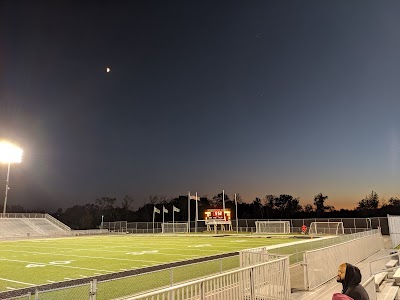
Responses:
[9,280]
[127,248]
[53,265]
[85,256]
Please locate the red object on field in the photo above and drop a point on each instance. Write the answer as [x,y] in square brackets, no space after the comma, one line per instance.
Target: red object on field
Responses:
[304,228]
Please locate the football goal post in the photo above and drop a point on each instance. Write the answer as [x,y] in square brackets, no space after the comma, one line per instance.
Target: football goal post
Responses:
[272,227]
[174,227]
[330,228]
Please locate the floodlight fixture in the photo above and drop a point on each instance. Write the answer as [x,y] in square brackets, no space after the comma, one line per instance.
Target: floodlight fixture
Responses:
[10,153]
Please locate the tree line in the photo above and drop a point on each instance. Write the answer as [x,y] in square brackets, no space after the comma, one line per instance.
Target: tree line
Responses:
[89,216]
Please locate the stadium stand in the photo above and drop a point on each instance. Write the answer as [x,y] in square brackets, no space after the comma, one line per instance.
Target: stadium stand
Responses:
[19,227]
[375,280]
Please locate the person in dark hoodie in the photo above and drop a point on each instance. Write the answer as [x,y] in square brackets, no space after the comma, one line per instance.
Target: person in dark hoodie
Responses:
[350,277]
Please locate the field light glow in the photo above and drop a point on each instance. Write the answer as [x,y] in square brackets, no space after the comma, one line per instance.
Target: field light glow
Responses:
[10,153]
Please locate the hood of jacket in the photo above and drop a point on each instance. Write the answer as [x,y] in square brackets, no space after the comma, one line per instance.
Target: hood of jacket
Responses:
[352,277]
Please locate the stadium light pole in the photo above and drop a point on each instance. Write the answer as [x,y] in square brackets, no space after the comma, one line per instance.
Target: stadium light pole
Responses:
[237,221]
[223,203]
[9,153]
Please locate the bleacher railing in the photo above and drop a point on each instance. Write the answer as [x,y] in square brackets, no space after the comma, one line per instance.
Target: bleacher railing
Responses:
[369,286]
[21,215]
[268,280]
[321,264]
[376,265]
[394,230]
[57,223]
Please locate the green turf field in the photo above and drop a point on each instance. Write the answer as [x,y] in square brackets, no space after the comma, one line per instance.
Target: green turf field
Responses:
[34,262]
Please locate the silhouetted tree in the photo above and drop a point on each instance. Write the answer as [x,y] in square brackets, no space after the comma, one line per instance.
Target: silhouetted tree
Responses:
[287,205]
[370,202]
[258,208]
[269,203]
[308,208]
[124,212]
[319,202]
[106,206]
[394,201]
[217,200]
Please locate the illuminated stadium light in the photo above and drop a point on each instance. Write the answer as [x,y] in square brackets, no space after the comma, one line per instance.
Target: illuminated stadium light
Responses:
[9,153]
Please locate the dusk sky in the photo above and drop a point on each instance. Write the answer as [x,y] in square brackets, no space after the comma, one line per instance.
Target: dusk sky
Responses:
[254,97]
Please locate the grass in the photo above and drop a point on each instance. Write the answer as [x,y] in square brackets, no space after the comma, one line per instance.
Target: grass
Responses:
[35,262]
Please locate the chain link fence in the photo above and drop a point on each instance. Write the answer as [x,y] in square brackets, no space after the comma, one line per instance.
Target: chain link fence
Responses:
[351,225]
[148,279]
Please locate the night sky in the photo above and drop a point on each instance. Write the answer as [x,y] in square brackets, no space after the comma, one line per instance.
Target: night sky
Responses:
[254,97]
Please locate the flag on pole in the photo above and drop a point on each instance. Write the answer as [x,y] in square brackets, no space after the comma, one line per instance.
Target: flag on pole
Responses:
[192,197]
[156,210]
[165,210]
[176,209]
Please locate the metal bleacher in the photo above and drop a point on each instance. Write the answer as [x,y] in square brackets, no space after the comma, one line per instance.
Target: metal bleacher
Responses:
[31,225]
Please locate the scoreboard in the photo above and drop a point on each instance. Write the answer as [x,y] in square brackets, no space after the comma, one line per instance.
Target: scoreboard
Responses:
[217,214]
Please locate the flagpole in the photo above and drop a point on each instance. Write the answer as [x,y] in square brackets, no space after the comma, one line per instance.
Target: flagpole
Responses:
[154,214]
[173,218]
[237,221]
[189,210]
[223,202]
[163,210]
[197,213]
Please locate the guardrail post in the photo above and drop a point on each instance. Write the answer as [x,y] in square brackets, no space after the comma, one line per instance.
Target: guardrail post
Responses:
[36,294]
[93,289]
[305,268]
[252,285]
[202,291]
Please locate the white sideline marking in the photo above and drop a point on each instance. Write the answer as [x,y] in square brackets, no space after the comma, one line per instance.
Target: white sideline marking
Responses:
[9,280]
[83,276]
[123,269]
[51,281]
[10,288]
[68,278]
